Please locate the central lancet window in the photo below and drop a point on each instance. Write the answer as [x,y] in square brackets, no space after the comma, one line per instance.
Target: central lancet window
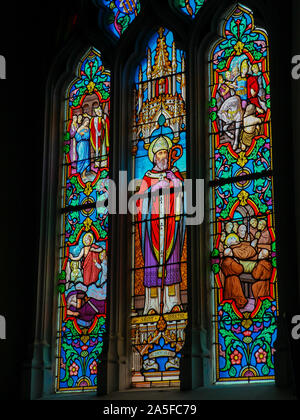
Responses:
[159,248]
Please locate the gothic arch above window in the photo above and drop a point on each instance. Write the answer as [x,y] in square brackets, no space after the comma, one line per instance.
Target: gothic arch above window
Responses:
[82,317]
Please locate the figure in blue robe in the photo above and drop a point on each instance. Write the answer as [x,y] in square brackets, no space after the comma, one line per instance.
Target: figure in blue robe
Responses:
[82,138]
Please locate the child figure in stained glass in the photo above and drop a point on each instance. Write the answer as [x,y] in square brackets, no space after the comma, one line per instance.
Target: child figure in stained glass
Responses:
[76,275]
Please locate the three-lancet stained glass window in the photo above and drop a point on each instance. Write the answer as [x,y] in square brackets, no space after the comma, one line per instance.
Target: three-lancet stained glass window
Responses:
[82,317]
[159,248]
[119,14]
[242,209]
[242,225]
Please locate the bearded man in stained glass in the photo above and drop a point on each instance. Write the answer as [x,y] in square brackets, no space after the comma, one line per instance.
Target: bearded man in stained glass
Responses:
[161,230]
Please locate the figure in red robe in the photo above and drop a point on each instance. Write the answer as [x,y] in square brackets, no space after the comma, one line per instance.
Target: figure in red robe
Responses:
[89,257]
[161,229]
[99,137]
[253,89]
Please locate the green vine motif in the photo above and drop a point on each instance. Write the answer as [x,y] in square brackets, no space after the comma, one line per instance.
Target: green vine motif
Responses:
[224,154]
[230,325]
[66,149]
[261,163]
[258,144]
[224,159]
[67,137]
[84,358]
[74,181]
[263,208]
[74,235]
[104,175]
[225,213]
[215,264]
[212,103]
[124,22]
[231,201]
[102,232]
[263,193]
[240,38]
[213,116]
[92,79]
[61,278]
[71,355]
[222,65]
[75,194]
[185,5]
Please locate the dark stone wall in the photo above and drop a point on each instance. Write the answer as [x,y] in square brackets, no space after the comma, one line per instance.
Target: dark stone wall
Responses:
[31,36]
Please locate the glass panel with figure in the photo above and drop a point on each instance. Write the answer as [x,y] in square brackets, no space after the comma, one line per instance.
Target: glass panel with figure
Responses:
[159,245]
[82,281]
[244,264]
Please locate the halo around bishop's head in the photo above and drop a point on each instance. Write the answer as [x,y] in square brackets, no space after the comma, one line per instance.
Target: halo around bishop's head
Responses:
[161,143]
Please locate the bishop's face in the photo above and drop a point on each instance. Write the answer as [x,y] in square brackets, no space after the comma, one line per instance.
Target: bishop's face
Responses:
[161,160]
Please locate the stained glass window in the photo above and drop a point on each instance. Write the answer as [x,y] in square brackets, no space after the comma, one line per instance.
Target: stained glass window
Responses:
[119,14]
[82,317]
[242,206]
[189,7]
[159,246]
